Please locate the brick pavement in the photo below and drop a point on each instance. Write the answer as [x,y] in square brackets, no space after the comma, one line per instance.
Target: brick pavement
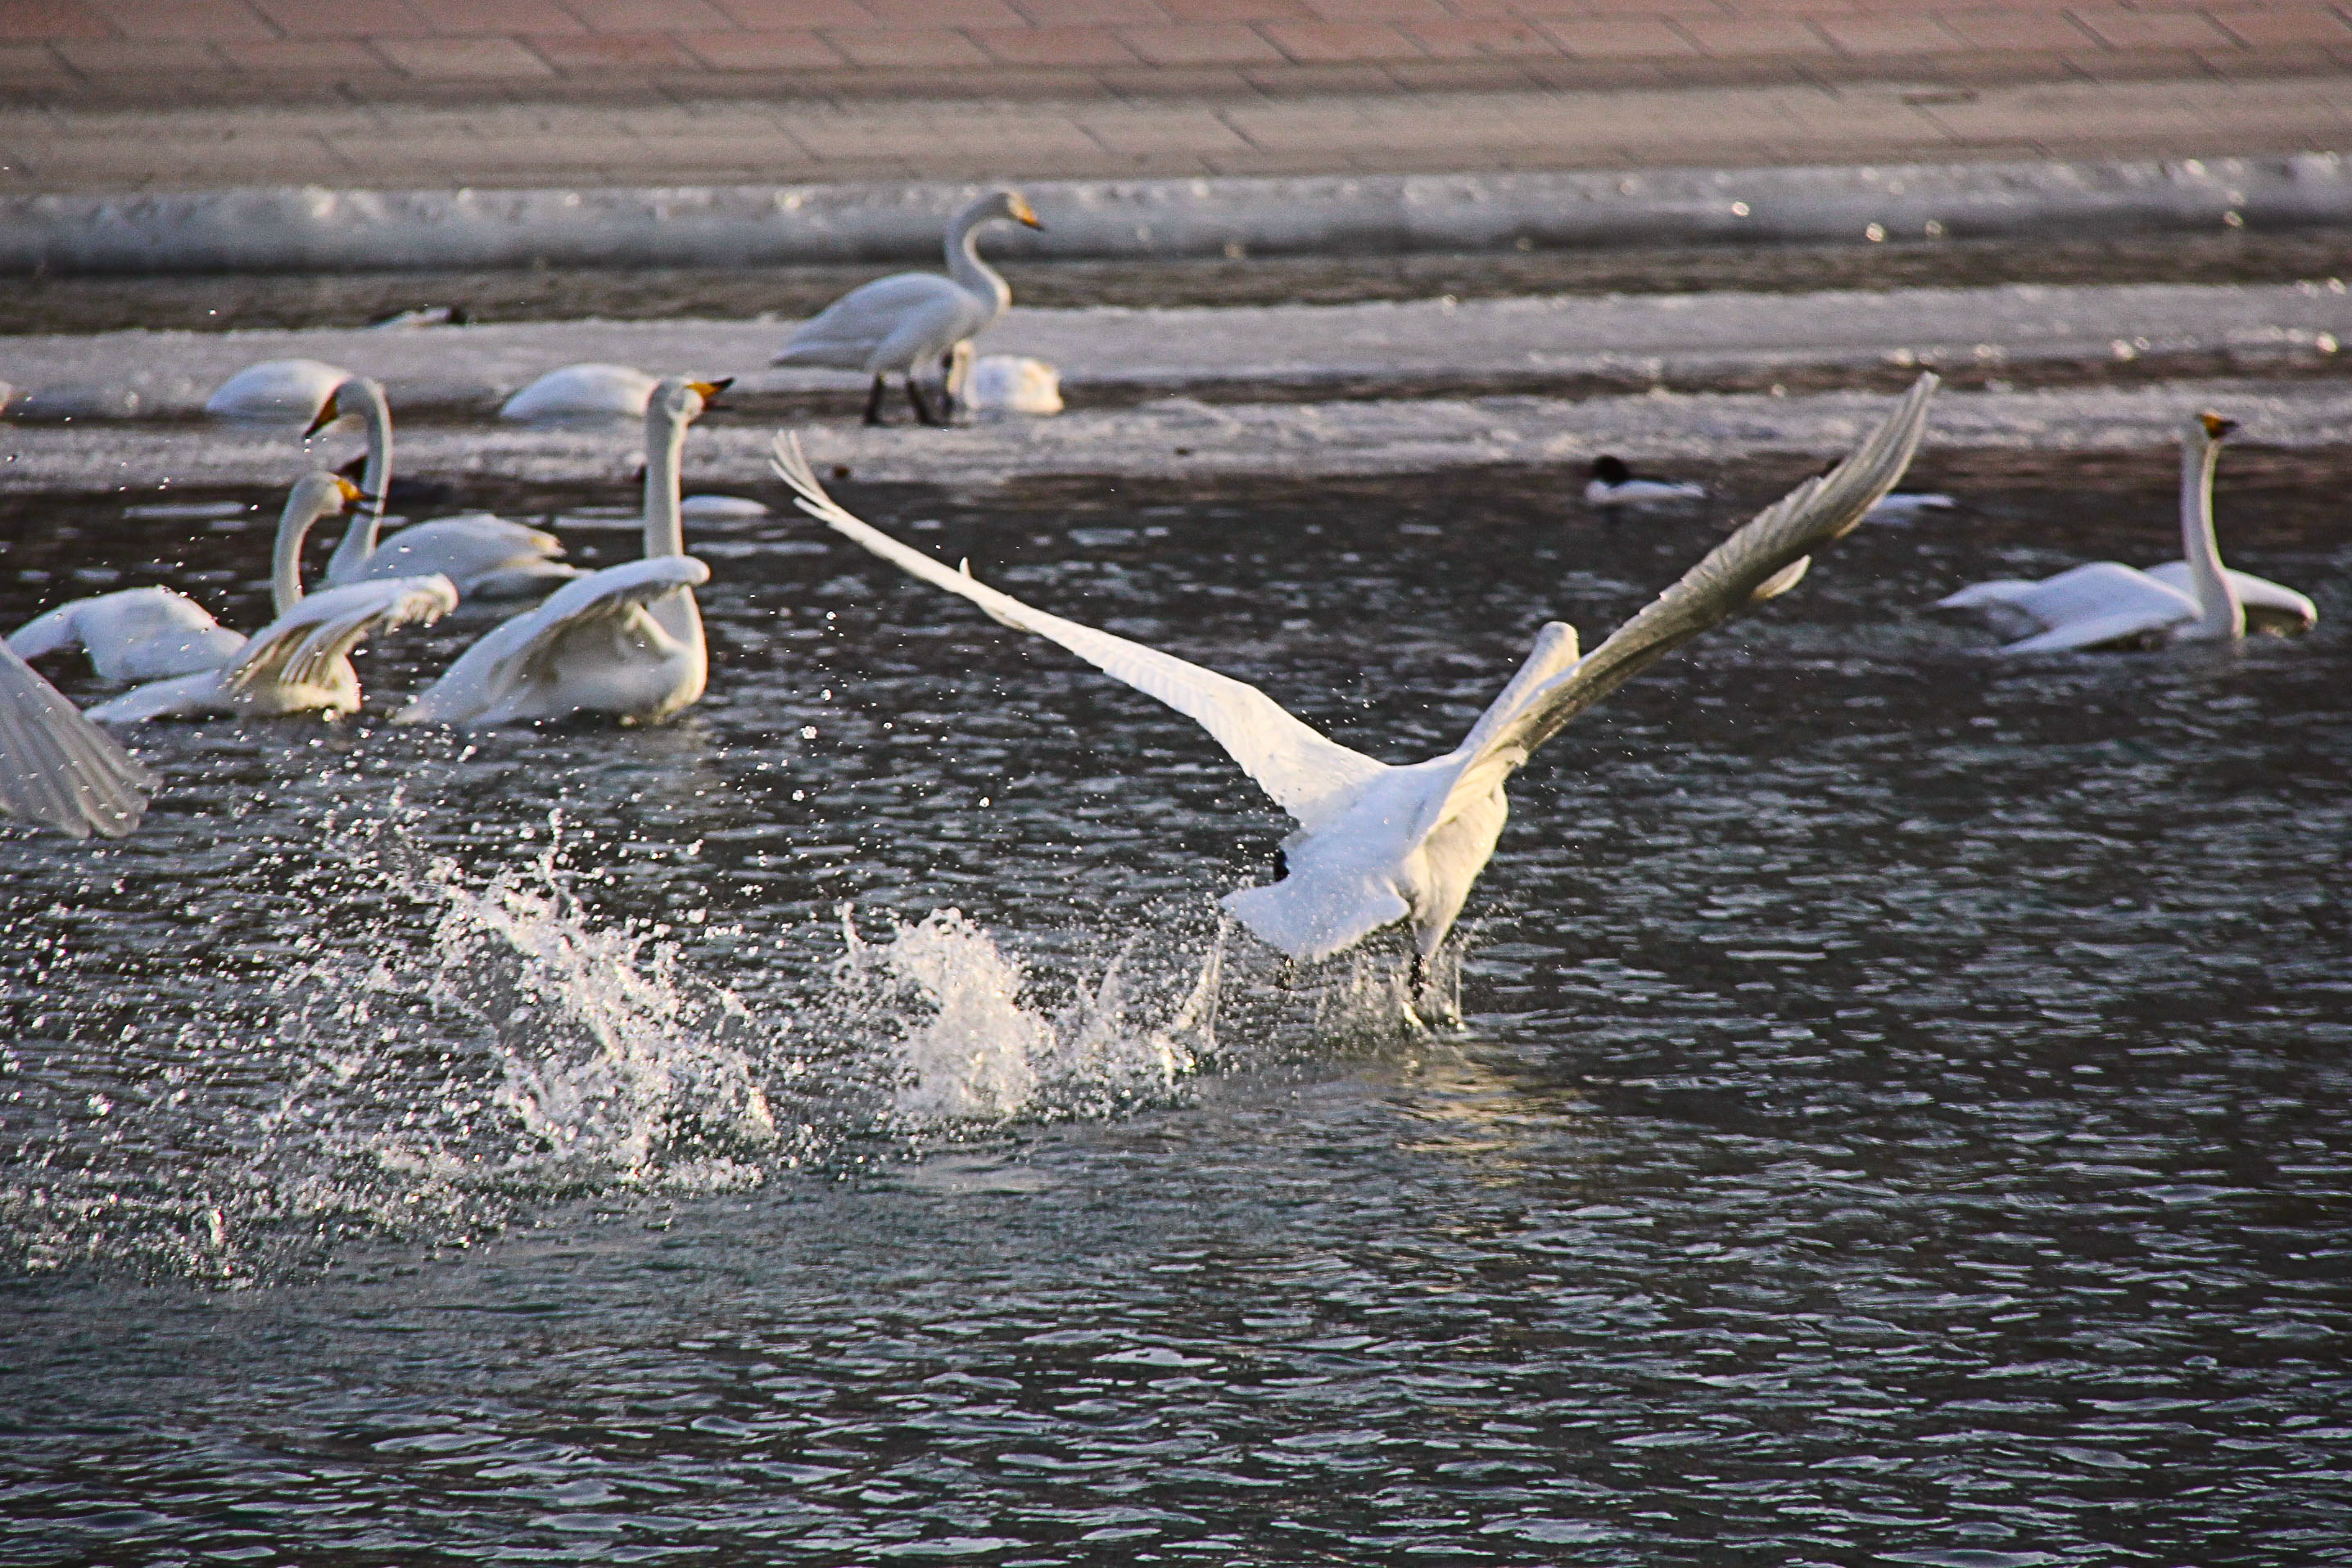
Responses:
[146,94]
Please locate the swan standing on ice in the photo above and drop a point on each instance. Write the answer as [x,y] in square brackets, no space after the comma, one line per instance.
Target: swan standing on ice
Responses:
[56,767]
[486,557]
[1615,484]
[2106,604]
[299,663]
[582,392]
[626,640]
[137,634]
[1377,843]
[912,318]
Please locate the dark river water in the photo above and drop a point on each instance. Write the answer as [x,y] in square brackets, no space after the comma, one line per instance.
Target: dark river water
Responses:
[1899,1118]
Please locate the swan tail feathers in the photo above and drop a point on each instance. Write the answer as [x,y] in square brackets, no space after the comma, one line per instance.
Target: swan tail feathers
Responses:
[1308,916]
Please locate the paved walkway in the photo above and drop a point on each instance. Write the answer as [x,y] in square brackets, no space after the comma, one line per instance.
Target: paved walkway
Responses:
[174,94]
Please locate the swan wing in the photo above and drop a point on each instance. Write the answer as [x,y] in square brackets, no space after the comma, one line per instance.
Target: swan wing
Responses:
[137,634]
[465,550]
[853,326]
[1763,560]
[56,766]
[302,646]
[1309,775]
[524,648]
[2267,604]
[2125,626]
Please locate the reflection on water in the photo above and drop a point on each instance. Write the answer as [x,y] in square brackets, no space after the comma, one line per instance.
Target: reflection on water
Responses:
[1898,1119]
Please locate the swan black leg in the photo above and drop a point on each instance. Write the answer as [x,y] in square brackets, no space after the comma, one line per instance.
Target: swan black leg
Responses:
[947,387]
[874,401]
[922,407]
[1417,979]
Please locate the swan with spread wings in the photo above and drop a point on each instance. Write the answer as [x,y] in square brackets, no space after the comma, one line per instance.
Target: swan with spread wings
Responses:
[1379,843]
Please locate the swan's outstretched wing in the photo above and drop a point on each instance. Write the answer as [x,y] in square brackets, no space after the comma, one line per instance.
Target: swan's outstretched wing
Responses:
[302,646]
[524,648]
[136,635]
[1763,560]
[2269,605]
[58,768]
[1309,775]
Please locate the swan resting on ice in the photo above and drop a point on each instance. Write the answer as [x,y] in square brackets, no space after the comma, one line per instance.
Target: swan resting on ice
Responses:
[626,640]
[993,384]
[2106,604]
[911,319]
[585,392]
[486,557]
[300,661]
[58,769]
[1377,844]
[290,390]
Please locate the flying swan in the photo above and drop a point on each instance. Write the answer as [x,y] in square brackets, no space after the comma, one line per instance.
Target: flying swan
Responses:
[2106,604]
[1377,843]
[56,767]
[626,640]
[911,319]
[299,663]
[486,557]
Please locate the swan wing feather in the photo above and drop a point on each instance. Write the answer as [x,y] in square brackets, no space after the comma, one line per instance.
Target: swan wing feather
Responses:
[1762,559]
[522,647]
[56,766]
[298,647]
[2263,600]
[1309,775]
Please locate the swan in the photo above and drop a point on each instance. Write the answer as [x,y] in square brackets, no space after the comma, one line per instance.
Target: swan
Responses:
[300,661]
[1376,844]
[486,557]
[2104,603]
[911,319]
[137,634]
[1615,484]
[277,389]
[1001,383]
[56,767]
[582,392]
[624,641]
[720,508]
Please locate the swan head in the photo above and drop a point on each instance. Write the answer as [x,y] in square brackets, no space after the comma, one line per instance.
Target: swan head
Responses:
[359,387]
[322,495]
[1010,205]
[681,399]
[2209,429]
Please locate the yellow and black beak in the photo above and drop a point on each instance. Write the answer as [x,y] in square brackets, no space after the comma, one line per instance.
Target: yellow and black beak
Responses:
[349,491]
[709,390]
[2216,426]
[327,415]
[1025,213]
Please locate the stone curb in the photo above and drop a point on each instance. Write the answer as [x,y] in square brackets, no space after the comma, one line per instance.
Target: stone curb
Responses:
[316,229]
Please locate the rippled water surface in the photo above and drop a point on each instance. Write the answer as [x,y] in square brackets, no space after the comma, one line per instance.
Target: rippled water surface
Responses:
[1900,1116]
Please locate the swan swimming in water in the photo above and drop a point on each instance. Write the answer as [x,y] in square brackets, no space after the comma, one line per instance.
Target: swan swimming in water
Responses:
[136,635]
[486,557]
[2106,604]
[300,661]
[58,769]
[911,319]
[1615,484]
[626,640]
[1377,844]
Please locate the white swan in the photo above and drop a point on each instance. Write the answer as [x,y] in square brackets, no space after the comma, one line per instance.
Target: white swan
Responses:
[291,390]
[911,319]
[300,661]
[1377,843]
[137,634]
[1613,484]
[582,392]
[626,640]
[486,557]
[2104,603]
[56,767]
[1001,383]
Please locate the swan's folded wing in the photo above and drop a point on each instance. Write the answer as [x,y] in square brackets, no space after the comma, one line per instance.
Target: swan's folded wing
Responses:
[2130,624]
[58,768]
[1764,559]
[300,646]
[1309,775]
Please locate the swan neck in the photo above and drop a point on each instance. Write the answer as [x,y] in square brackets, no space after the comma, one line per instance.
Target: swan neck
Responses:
[359,541]
[974,275]
[286,560]
[2219,615]
[664,455]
